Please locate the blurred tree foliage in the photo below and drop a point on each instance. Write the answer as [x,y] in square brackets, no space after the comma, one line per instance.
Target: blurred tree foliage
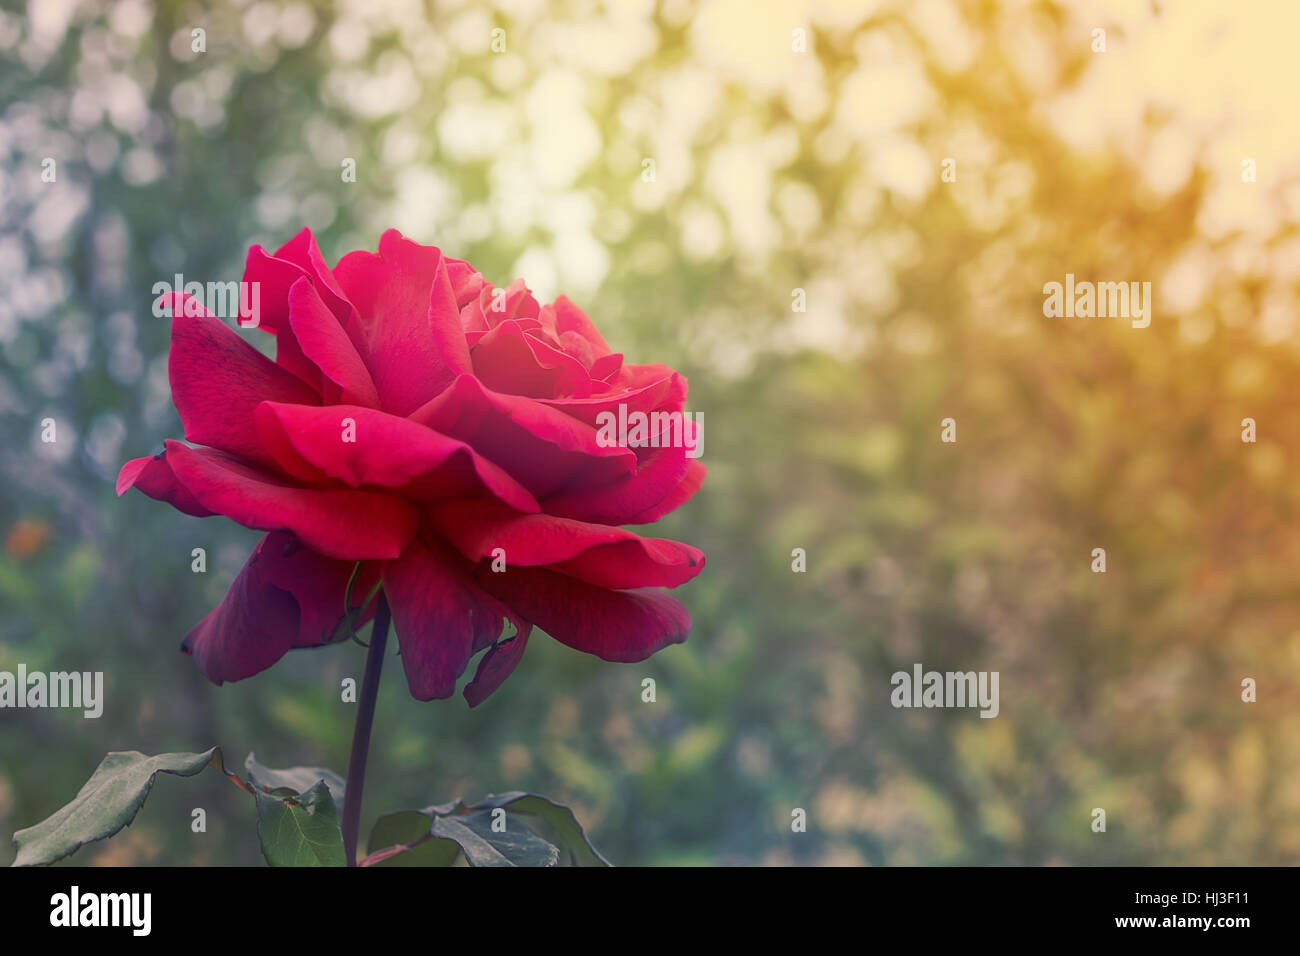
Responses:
[775,171]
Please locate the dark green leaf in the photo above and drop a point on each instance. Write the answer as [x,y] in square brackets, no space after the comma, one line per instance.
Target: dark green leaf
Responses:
[293,779]
[516,846]
[565,826]
[407,833]
[435,835]
[300,830]
[109,801]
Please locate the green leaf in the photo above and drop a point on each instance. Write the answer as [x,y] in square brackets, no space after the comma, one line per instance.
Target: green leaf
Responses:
[300,830]
[435,836]
[293,780]
[109,801]
[516,846]
[564,824]
[404,839]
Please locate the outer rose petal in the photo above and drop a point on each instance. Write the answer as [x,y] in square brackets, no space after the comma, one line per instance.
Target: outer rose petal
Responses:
[248,631]
[388,451]
[303,251]
[339,523]
[274,277]
[218,379]
[598,554]
[155,478]
[683,493]
[665,478]
[440,616]
[285,596]
[412,340]
[624,626]
[497,664]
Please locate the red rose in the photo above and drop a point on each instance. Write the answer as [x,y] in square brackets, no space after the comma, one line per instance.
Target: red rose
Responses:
[415,420]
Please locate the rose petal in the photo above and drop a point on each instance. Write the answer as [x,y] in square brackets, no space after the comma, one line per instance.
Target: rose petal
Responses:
[303,251]
[285,596]
[605,368]
[466,282]
[662,393]
[681,494]
[496,665]
[513,363]
[543,448]
[155,478]
[274,277]
[378,449]
[339,523]
[248,631]
[218,379]
[625,626]
[326,344]
[493,306]
[575,345]
[570,318]
[412,340]
[440,615]
[664,479]
[598,554]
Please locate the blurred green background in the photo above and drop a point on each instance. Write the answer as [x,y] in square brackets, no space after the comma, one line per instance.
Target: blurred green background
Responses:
[775,170]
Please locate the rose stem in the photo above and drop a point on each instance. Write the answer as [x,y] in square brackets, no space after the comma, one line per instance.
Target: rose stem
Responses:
[361,732]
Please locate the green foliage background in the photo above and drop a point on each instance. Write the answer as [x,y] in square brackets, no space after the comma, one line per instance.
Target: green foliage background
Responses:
[1118,691]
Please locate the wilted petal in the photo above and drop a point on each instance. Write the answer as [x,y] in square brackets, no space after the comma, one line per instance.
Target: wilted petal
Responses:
[623,626]
[497,664]
[441,617]
[285,596]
